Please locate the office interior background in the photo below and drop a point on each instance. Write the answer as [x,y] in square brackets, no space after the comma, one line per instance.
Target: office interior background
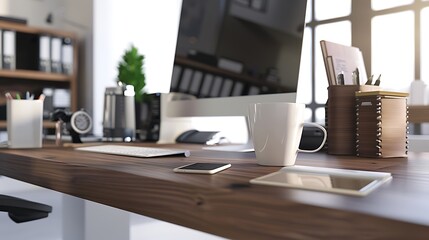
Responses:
[392,34]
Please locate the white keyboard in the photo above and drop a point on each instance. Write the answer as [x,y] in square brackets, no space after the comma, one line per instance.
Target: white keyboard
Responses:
[134,151]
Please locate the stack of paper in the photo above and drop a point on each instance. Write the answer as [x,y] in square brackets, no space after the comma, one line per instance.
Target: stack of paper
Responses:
[343,59]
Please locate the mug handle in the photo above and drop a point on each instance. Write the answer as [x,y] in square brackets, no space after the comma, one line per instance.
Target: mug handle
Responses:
[323,142]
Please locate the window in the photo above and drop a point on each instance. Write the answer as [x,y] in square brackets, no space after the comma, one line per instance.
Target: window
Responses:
[424,44]
[386,4]
[325,9]
[385,31]
[339,32]
[323,23]
[392,45]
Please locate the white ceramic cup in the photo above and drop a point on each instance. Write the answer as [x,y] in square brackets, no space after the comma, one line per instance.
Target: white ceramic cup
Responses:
[24,123]
[276,130]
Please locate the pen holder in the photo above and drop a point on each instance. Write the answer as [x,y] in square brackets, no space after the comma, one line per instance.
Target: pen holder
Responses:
[24,123]
[341,118]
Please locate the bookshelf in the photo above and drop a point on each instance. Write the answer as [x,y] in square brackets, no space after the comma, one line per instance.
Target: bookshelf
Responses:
[33,79]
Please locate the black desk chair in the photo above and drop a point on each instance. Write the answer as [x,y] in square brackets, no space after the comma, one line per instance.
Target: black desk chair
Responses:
[21,210]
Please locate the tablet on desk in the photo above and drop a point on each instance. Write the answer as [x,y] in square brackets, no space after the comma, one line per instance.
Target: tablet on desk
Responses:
[351,182]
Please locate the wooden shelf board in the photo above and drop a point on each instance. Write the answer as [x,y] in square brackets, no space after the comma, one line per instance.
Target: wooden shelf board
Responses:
[35,30]
[46,124]
[35,75]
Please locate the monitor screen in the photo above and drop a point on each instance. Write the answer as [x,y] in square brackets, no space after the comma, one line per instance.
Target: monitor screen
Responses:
[234,52]
[229,54]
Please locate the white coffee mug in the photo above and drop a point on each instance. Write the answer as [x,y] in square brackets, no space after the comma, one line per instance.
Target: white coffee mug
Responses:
[276,130]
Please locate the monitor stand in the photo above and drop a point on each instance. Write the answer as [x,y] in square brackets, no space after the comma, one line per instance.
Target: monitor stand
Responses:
[248,147]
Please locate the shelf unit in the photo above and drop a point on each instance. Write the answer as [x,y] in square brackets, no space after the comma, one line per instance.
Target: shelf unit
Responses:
[30,80]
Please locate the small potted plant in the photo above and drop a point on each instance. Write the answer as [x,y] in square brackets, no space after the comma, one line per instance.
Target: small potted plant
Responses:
[130,71]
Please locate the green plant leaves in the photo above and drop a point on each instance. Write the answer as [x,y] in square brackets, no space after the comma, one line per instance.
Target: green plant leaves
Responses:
[130,71]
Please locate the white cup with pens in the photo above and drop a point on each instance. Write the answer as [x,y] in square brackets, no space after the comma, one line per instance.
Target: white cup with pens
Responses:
[24,121]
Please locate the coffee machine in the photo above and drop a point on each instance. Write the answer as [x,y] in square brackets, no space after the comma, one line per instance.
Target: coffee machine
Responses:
[119,122]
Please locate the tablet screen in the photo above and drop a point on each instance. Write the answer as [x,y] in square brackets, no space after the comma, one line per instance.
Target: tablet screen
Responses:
[325,179]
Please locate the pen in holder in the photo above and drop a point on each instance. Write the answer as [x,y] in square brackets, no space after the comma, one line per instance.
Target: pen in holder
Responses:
[341,118]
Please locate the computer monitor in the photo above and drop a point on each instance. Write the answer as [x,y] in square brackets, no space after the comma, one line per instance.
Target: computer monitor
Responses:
[249,51]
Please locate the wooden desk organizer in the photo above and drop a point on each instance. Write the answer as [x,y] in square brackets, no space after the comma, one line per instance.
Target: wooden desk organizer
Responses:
[381,124]
[341,118]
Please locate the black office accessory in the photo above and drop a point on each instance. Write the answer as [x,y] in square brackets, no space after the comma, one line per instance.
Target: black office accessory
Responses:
[197,137]
[148,118]
[21,210]
[204,168]
[76,123]
[27,51]
[311,138]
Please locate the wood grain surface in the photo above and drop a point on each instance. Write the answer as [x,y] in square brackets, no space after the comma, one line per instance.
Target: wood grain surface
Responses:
[226,204]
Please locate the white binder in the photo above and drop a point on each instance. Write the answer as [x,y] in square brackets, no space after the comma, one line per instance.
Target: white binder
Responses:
[67,56]
[45,53]
[56,44]
[9,59]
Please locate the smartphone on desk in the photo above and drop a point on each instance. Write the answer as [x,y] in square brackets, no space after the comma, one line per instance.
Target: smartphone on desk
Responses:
[205,168]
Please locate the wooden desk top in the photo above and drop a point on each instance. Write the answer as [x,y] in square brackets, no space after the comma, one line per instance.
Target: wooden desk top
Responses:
[225,204]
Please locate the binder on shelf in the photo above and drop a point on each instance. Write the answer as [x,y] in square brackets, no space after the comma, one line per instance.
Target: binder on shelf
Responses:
[45,53]
[67,56]
[238,89]
[215,88]
[27,51]
[226,88]
[8,51]
[381,124]
[194,87]
[253,90]
[1,48]
[56,43]
[207,83]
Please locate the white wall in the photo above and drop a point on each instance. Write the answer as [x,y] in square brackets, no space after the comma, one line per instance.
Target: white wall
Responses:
[35,11]
[151,26]
[4,7]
